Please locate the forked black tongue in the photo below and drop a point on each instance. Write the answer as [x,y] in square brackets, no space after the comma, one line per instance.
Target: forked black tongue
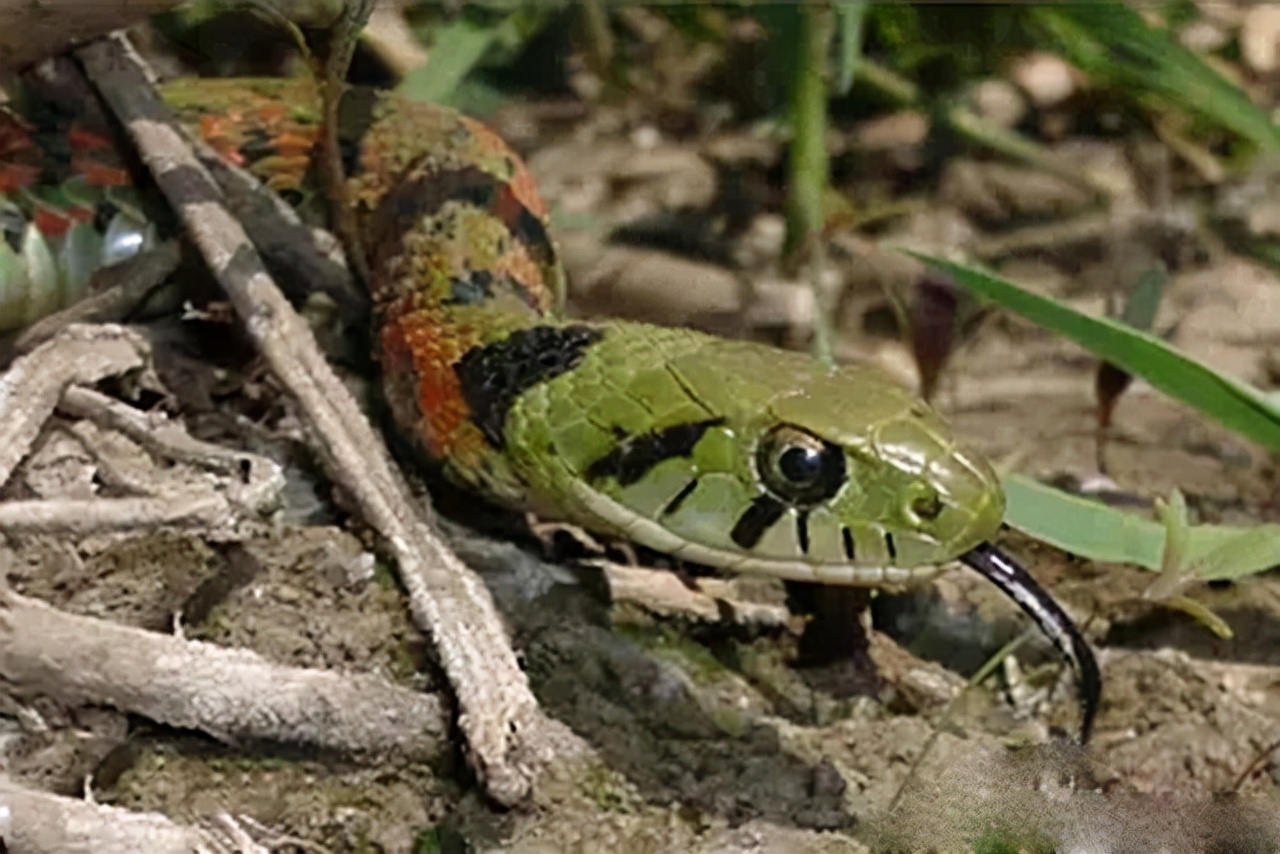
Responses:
[1018,584]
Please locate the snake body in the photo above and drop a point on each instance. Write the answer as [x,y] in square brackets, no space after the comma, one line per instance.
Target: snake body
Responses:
[727,453]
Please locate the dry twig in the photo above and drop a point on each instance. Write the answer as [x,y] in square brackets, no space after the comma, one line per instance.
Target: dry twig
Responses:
[31,388]
[205,511]
[233,694]
[665,594]
[244,488]
[251,483]
[41,823]
[509,738]
[31,31]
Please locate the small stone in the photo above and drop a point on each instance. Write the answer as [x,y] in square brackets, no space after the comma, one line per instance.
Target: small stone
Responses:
[1260,38]
[999,102]
[1204,36]
[1047,79]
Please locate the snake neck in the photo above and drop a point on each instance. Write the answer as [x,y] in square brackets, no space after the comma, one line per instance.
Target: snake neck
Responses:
[453,231]
[464,275]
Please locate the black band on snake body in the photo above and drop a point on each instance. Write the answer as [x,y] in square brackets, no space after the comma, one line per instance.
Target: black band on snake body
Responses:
[1017,583]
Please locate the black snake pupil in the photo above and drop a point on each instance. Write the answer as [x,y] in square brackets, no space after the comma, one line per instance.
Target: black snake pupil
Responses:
[800,465]
[798,468]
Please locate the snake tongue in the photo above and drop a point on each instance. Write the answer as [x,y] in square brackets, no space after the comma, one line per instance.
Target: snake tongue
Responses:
[1018,584]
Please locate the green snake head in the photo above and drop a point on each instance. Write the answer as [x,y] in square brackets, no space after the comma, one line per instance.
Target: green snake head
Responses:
[749,459]
[753,459]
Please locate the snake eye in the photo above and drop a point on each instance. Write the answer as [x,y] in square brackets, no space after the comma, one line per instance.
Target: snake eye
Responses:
[798,467]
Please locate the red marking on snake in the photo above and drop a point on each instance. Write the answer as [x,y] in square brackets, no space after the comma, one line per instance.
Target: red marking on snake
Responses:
[422,346]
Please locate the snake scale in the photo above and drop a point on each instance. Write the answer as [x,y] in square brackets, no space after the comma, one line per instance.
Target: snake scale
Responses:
[726,453]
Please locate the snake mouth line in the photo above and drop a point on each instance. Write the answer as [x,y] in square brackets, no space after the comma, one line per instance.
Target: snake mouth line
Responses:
[652,534]
[1036,603]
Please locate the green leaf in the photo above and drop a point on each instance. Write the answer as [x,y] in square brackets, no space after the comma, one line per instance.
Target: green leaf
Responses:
[461,45]
[1095,531]
[850,15]
[1235,404]
[1172,514]
[1143,303]
[1110,41]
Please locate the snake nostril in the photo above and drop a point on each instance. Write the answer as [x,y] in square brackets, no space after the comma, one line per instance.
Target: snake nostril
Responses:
[926,507]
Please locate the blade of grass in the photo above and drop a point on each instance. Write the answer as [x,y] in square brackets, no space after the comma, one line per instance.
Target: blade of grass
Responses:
[1111,41]
[459,46]
[1095,531]
[1233,403]
[808,164]
[850,14]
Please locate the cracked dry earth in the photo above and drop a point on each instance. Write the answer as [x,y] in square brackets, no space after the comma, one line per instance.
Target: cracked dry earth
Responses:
[710,741]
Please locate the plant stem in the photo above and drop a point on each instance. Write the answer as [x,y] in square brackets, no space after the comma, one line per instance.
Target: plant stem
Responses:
[809,167]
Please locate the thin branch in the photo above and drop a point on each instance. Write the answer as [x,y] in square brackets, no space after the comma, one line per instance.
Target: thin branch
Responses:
[31,388]
[664,594]
[164,437]
[41,823]
[32,31]
[232,694]
[203,511]
[344,37]
[509,738]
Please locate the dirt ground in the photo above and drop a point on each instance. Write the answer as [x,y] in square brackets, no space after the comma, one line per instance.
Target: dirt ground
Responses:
[710,740]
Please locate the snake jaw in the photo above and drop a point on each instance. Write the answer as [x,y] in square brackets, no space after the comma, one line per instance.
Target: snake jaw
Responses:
[652,534]
[1017,583]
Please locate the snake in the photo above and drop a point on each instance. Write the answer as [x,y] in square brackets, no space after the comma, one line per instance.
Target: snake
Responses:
[725,453]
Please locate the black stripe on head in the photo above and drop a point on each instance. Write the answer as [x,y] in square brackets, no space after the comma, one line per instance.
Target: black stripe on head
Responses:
[492,377]
[802,531]
[758,518]
[635,456]
[674,504]
[850,547]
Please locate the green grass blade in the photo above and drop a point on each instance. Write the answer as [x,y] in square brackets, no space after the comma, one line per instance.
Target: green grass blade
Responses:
[459,47]
[1111,41]
[468,40]
[1235,404]
[1098,532]
[1141,306]
[850,15]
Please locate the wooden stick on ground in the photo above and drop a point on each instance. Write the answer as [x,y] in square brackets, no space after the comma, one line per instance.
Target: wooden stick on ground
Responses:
[232,694]
[41,823]
[508,737]
[31,388]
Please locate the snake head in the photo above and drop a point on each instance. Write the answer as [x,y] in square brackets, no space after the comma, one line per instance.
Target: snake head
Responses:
[870,478]
[752,459]
[759,460]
